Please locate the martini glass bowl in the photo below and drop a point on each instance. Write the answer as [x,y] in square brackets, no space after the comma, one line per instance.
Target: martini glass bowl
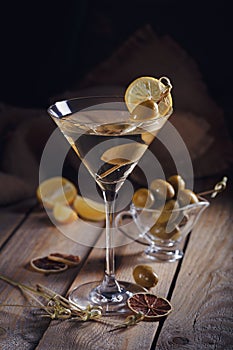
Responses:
[109,144]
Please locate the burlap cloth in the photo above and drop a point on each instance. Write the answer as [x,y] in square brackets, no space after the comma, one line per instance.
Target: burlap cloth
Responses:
[198,119]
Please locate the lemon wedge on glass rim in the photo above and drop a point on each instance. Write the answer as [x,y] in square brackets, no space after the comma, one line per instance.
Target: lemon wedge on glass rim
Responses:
[56,190]
[149,93]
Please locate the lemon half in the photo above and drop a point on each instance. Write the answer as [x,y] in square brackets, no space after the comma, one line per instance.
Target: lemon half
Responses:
[89,209]
[64,214]
[56,190]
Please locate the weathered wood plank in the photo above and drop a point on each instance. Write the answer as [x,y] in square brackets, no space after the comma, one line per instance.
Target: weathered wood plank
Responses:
[21,328]
[93,335]
[11,217]
[203,279]
[8,222]
[202,299]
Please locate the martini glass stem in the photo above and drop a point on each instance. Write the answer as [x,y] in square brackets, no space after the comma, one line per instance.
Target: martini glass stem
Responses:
[110,261]
[109,284]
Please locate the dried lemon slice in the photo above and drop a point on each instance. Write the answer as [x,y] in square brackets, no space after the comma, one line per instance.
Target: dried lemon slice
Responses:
[151,306]
[89,209]
[56,190]
[45,265]
[68,259]
[146,93]
[64,214]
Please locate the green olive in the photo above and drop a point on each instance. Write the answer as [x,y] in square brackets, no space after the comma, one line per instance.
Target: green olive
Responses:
[162,189]
[163,232]
[177,182]
[181,220]
[146,110]
[158,205]
[143,198]
[184,220]
[145,276]
[176,236]
[169,212]
[186,197]
[112,128]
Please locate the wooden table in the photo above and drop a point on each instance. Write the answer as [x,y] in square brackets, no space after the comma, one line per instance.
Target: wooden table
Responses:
[199,286]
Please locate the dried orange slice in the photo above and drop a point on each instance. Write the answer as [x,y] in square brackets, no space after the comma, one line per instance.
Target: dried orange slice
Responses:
[64,214]
[56,190]
[150,305]
[69,259]
[89,209]
[45,265]
[149,93]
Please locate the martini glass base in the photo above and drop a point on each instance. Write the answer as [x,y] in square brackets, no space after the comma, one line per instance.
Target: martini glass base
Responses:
[114,303]
[163,255]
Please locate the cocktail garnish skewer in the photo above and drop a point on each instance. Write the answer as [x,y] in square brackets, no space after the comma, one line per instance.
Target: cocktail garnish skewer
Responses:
[219,187]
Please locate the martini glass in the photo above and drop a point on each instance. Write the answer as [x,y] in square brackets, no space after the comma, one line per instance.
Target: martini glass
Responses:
[109,143]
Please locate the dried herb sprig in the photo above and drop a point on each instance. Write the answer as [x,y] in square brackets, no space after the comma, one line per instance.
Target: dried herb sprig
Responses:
[130,320]
[55,305]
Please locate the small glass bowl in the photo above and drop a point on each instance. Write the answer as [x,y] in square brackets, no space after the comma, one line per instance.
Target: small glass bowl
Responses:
[163,230]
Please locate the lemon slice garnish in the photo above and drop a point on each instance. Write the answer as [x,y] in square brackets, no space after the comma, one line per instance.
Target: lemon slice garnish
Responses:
[56,190]
[64,214]
[149,93]
[89,209]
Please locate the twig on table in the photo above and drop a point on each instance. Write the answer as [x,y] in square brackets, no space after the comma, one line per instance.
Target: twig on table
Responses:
[131,320]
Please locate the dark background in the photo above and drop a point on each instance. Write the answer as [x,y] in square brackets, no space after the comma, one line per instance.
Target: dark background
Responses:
[48,46]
